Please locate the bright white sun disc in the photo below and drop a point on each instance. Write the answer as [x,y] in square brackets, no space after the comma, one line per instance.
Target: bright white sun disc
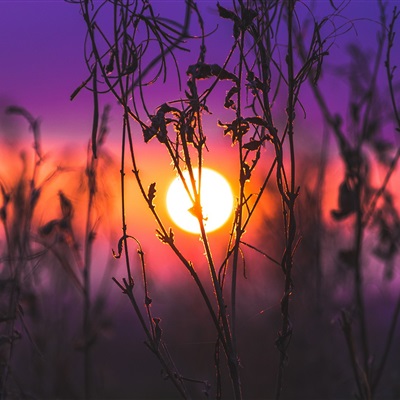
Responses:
[216,201]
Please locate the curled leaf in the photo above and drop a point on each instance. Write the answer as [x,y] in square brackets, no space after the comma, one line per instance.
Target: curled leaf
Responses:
[148,133]
[152,193]
[257,121]
[159,122]
[120,247]
[229,103]
[203,71]
[225,13]
[253,144]
[236,129]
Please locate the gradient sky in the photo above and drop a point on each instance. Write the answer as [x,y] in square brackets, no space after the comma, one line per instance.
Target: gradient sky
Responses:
[41,48]
[41,43]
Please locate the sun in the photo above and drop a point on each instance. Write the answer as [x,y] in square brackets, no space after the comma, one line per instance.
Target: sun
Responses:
[216,201]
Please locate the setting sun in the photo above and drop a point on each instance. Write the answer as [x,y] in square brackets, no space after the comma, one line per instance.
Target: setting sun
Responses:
[216,199]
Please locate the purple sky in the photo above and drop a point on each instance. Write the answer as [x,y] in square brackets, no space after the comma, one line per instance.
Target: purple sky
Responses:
[41,47]
[42,62]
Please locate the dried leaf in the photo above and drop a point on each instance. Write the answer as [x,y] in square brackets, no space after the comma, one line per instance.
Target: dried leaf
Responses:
[237,128]
[229,103]
[120,247]
[159,123]
[148,133]
[253,144]
[254,83]
[152,192]
[204,71]
[257,121]
[224,13]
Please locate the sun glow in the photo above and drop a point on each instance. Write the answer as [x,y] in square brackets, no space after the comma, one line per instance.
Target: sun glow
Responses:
[216,201]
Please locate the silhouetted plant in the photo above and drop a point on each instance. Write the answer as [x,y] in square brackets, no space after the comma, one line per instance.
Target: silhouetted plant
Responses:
[21,254]
[119,63]
[35,253]
[362,144]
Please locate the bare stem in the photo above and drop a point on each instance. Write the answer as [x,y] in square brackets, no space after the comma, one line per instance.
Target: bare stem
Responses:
[288,205]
